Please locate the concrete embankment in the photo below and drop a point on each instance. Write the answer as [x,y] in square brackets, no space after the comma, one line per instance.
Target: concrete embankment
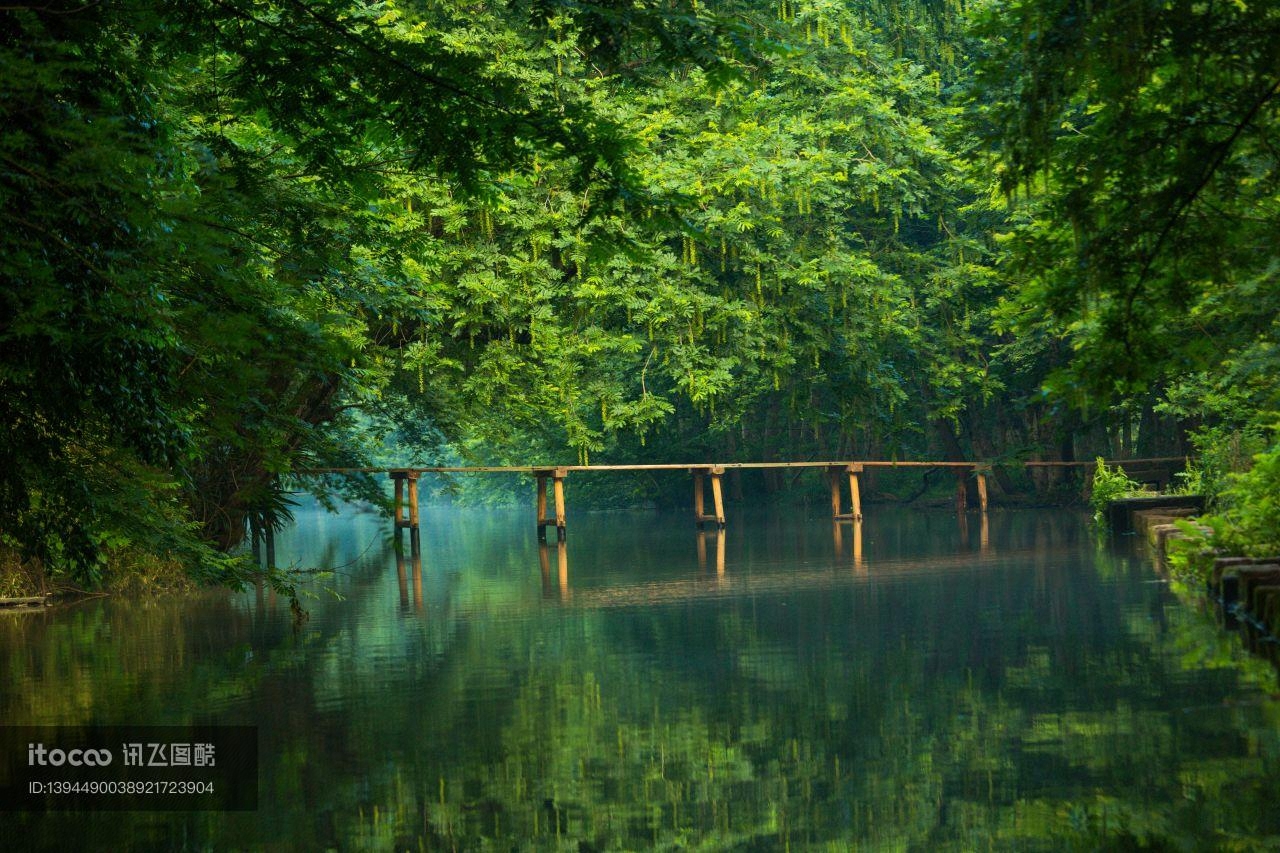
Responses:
[1246,588]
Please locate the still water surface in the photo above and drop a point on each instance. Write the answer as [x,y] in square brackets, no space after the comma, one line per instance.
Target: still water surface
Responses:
[929,687]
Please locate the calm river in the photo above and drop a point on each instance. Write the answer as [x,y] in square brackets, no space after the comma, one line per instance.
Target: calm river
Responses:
[928,687]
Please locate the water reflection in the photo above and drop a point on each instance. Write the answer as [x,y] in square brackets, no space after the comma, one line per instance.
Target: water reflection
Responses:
[403,576]
[719,536]
[560,589]
[1033,692]
[984,531]
[837,533]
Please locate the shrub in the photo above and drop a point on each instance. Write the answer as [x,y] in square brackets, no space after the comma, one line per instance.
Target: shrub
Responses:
[1251,508]
[1247,522]
[1109,485]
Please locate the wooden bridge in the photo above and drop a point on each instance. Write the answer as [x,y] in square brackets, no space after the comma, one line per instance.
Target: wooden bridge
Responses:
[551,484]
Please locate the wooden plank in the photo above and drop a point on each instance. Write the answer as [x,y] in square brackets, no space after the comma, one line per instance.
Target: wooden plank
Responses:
[681,466]
[685,466]
[676,466]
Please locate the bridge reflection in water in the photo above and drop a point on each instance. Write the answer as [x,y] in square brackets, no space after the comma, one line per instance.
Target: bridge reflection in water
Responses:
[712,566]
[403,576]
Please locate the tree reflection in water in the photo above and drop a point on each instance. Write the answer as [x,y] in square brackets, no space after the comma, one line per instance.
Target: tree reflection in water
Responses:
[882,686]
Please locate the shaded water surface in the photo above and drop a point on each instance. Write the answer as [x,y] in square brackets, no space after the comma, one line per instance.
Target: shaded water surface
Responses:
[924,685]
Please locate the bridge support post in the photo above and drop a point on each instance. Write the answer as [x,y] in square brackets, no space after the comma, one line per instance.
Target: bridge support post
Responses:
[397,477]
[542,506]
[717,496]
[834,475]
[558,486]
[556,476]
[401,478]
[415,539]
[699,499]
[981,474]
[700,516]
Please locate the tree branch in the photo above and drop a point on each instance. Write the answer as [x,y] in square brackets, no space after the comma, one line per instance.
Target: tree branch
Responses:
[1224,148]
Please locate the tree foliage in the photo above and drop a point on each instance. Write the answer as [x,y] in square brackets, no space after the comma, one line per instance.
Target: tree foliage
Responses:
[1144,137]
[245,239]
[192,276]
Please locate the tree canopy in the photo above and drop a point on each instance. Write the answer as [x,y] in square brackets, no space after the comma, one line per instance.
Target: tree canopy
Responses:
[241,239]
[1144,137]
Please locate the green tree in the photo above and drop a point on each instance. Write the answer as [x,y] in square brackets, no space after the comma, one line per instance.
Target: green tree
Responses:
[1144,138]
[194,283]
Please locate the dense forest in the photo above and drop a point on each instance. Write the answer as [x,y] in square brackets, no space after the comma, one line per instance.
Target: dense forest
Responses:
[245,238]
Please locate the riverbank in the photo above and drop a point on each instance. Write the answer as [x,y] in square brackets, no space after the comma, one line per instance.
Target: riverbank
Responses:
[128,572]
[1244,590]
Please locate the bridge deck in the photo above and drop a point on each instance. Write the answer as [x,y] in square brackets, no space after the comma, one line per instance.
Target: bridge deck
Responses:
[691,466]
